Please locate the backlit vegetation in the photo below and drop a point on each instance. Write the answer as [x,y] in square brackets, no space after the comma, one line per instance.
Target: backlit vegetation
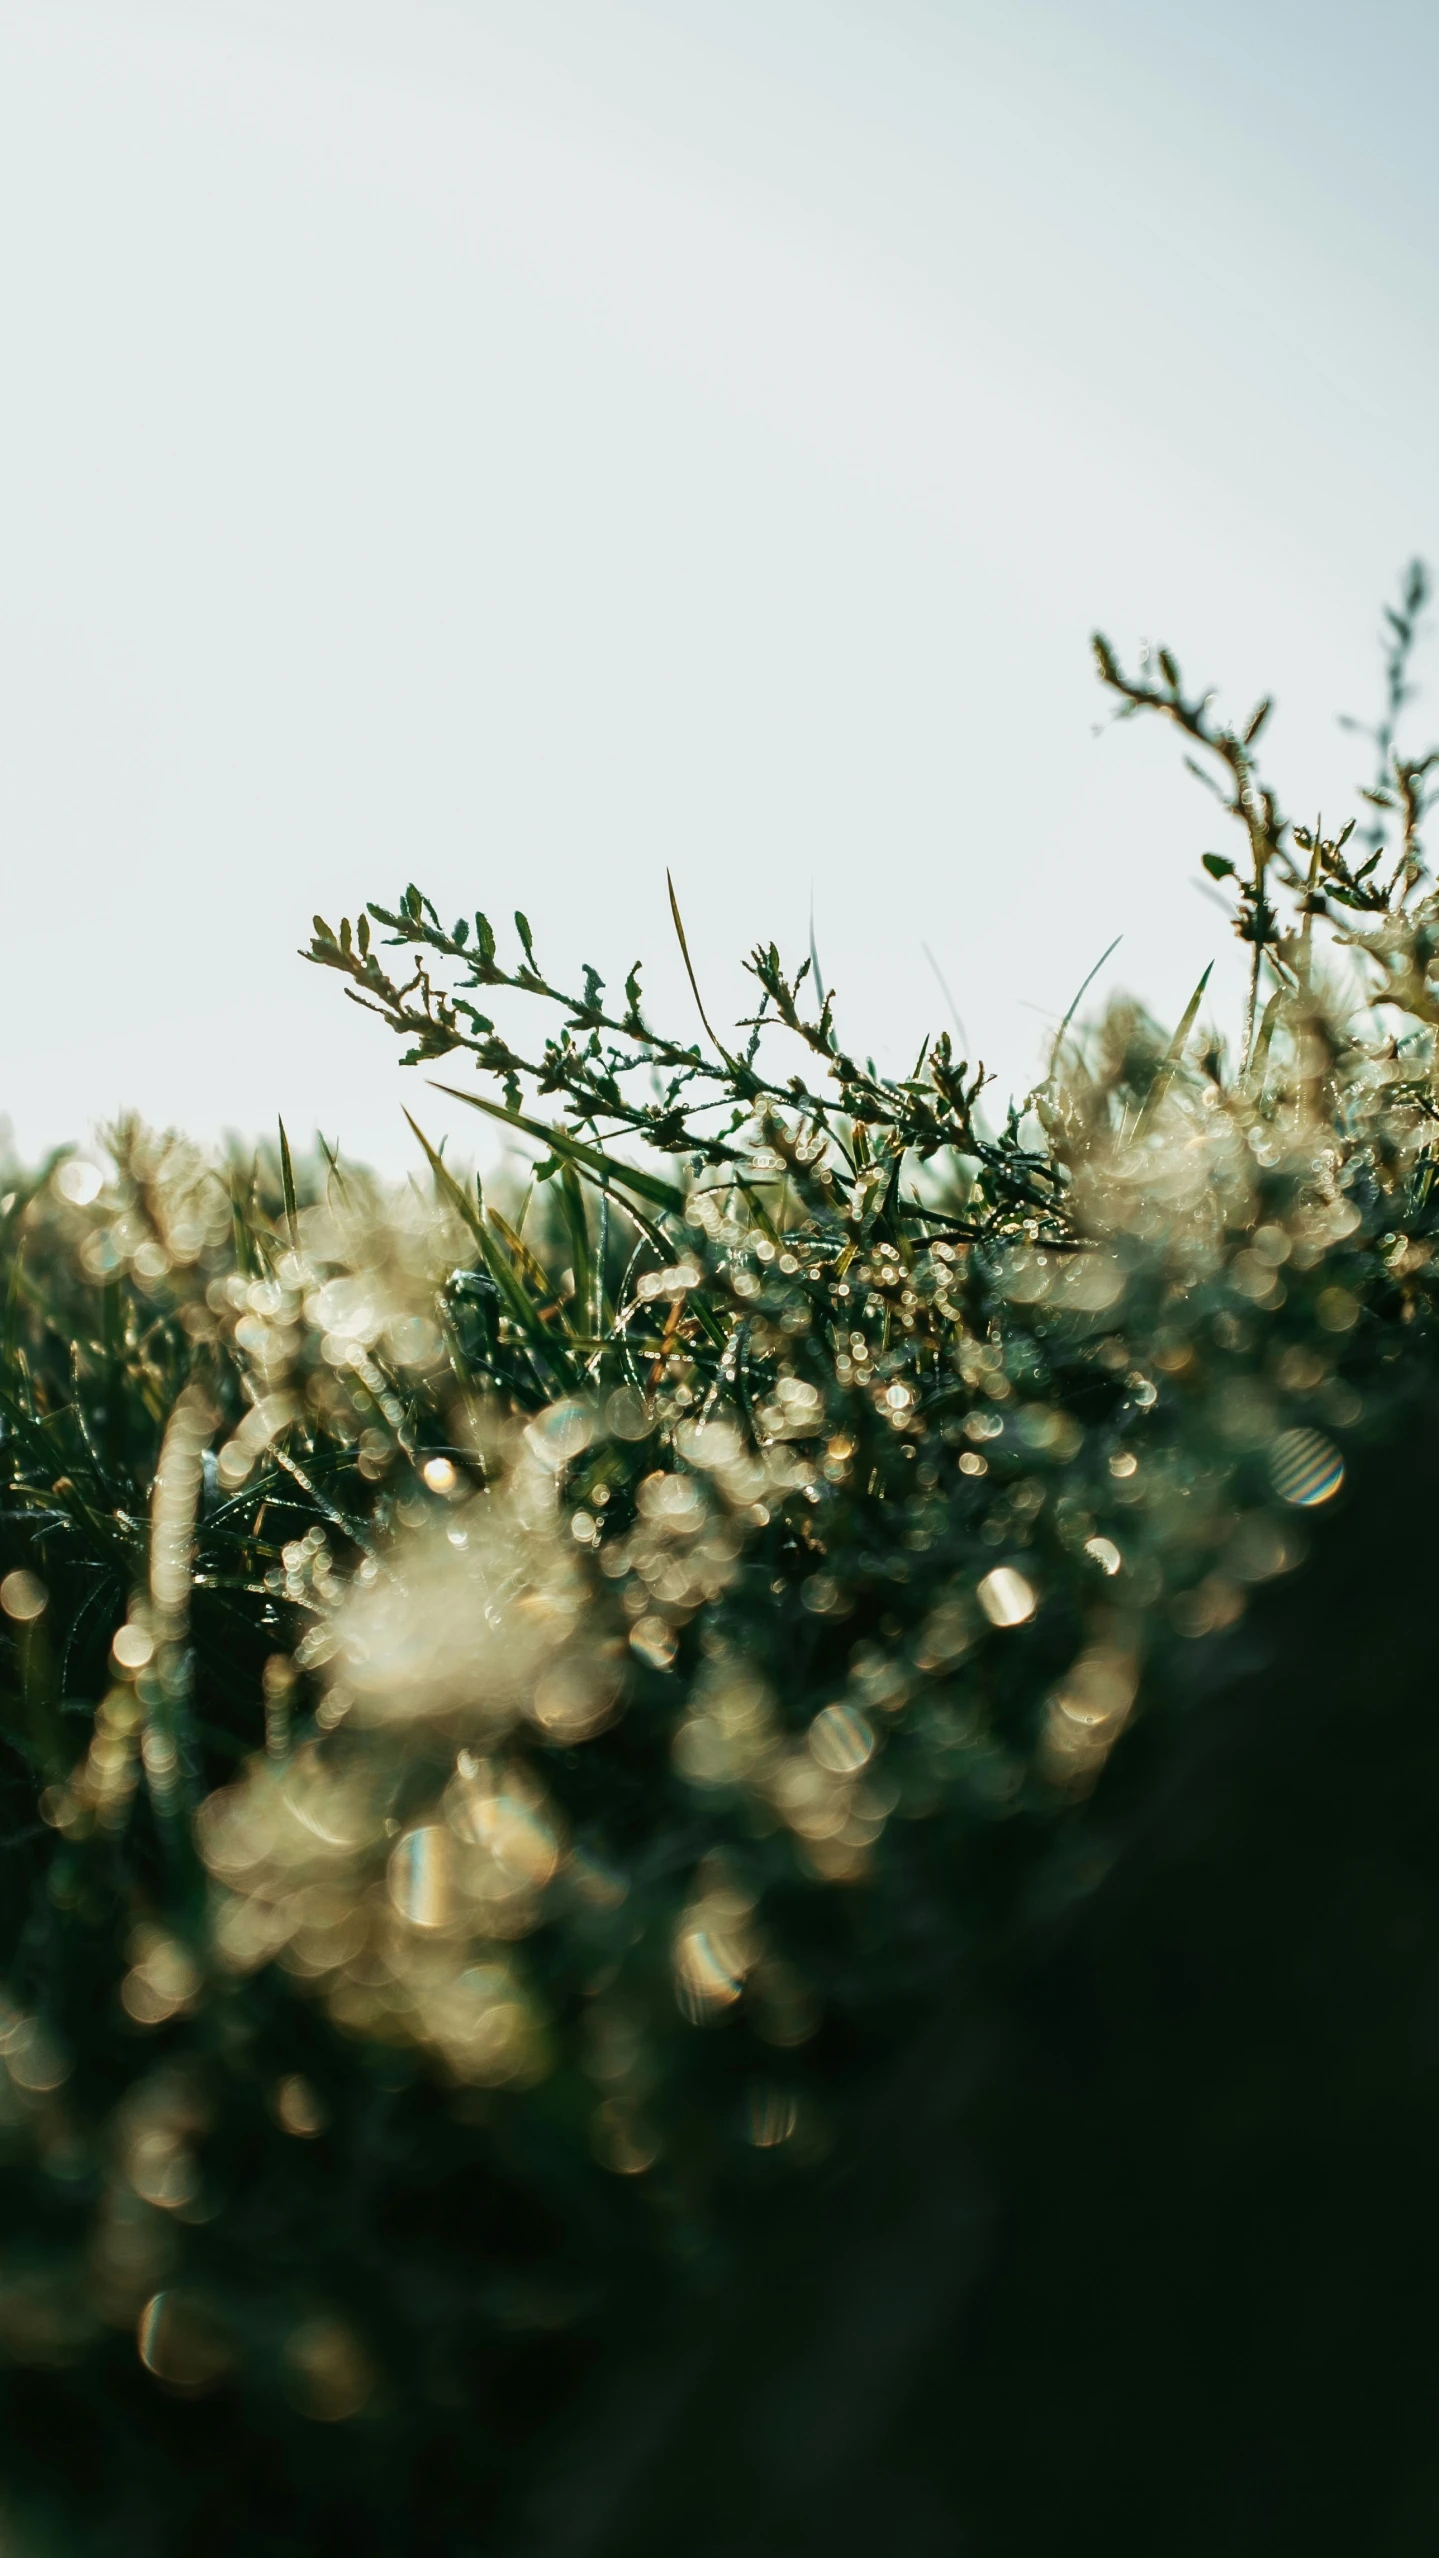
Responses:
[514,1705]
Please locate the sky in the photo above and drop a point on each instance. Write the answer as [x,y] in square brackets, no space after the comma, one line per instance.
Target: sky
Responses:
[524,445]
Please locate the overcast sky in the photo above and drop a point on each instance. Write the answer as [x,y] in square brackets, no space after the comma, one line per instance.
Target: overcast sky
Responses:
[521,444]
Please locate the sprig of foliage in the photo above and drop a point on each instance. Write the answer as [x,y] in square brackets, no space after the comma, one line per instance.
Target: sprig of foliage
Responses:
[1228,766]
[839,1141]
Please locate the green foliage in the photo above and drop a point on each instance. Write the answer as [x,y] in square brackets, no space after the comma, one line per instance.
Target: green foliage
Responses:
[515,1715]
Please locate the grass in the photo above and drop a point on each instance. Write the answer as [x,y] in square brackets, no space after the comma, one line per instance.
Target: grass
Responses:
[519,1711]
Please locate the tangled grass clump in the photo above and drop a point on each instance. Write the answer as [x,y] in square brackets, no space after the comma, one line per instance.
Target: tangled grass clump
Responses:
[515,1716]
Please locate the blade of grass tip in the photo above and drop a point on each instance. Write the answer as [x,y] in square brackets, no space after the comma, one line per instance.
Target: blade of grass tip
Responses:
[961,1034]
[523,1311]
[685,956]
[757,1208]
[511,1264]
[530,1268]
[1079,998]
[287,1184]
[1169,1063]
[332,1158]
[813,955]
[501,1267]
[448,1188]
[1254,1071]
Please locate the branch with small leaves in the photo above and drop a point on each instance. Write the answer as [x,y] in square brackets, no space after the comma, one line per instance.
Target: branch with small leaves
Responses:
[1232,774]
[594,1060]
[1399,939]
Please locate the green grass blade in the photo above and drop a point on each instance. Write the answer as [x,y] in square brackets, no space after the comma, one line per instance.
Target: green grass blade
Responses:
[502,1265]
[449,1189]
[287,1184]
[1174,1053]
[589,1159]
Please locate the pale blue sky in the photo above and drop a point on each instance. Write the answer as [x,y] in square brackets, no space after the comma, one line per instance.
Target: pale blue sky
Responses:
[519,444]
